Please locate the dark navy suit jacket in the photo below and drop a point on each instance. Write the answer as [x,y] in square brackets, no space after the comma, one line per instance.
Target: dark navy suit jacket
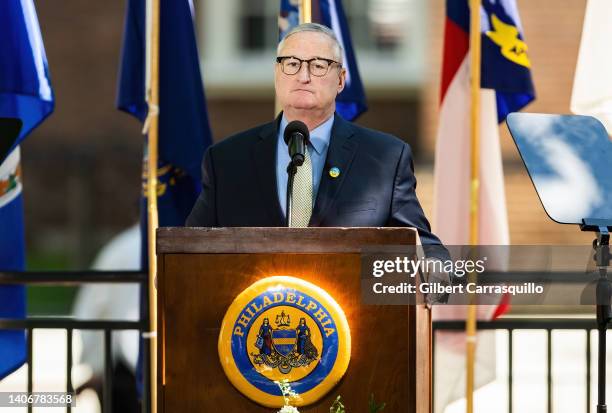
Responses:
[375,188]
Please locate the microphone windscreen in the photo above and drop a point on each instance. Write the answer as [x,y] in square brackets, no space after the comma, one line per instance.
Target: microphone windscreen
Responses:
[296,126]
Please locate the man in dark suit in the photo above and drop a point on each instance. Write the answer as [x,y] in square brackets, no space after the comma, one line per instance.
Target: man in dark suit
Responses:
[353,176]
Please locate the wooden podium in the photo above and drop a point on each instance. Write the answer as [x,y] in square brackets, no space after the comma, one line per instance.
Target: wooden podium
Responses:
[202,270]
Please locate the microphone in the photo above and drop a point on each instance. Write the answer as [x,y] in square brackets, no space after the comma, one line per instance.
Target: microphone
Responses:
[297,137]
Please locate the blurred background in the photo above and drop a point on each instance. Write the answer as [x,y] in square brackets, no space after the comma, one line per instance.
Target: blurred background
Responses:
[82,166]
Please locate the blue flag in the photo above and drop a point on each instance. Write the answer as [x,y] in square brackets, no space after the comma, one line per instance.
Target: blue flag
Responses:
[25,94]
[352,101]
[184,131]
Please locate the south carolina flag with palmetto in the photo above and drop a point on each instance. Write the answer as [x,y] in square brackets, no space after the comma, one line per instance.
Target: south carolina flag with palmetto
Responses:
[506,86]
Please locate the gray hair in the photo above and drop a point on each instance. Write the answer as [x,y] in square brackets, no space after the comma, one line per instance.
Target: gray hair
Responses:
[317,28]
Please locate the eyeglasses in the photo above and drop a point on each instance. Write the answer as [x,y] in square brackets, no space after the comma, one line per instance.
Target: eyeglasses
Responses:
[317,66]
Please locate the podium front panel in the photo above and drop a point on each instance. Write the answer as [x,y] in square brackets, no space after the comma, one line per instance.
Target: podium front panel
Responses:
[390,353]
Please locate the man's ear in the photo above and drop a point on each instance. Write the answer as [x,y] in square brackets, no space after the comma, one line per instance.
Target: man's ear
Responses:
[341,80]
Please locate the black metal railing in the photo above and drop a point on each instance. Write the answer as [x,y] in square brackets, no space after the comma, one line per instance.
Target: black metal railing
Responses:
[129,277]
[543,324]
[69,324]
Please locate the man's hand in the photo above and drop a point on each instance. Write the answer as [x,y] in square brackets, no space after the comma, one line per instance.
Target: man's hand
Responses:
[436,277]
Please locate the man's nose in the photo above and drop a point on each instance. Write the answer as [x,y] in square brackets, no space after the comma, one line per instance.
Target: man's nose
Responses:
[304,73]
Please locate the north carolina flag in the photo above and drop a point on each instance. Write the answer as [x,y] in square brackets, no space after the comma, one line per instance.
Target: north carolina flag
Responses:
[352,101]
[25,94]
[506,86]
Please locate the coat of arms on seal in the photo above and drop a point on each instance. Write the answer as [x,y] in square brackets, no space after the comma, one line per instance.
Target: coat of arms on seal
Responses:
[284,347]
[284,329]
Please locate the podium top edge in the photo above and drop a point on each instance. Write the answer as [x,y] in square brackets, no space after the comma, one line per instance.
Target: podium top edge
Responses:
[248,240]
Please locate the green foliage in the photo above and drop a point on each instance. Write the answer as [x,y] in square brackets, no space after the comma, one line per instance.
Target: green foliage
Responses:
[337,406]
[47,301]
[286,390]
[375,408]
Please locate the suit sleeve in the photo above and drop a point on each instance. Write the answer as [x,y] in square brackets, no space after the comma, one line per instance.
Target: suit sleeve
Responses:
[204,212]
[406,209]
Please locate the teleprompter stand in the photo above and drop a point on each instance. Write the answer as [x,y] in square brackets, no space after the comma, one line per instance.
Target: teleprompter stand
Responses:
[586,154]
[601,245]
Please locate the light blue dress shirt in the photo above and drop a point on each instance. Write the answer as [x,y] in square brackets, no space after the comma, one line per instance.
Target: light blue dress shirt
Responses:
[319,142]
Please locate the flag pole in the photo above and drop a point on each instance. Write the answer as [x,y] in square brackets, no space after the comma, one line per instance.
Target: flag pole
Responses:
[475,58]
[151,128]
[305,11]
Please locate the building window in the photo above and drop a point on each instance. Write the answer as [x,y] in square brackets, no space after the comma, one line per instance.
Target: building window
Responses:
[258,25]
[238,41]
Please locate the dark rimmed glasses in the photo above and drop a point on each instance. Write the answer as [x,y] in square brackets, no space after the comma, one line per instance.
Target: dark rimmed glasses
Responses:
[317,66]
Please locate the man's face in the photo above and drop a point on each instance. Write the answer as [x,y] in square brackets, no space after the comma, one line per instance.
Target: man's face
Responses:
[304,91]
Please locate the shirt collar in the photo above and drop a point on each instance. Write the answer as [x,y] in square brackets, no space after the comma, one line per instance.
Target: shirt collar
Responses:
[319,137]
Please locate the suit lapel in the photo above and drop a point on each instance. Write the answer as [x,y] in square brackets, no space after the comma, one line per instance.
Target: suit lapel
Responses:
[264,157]
[340,154]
